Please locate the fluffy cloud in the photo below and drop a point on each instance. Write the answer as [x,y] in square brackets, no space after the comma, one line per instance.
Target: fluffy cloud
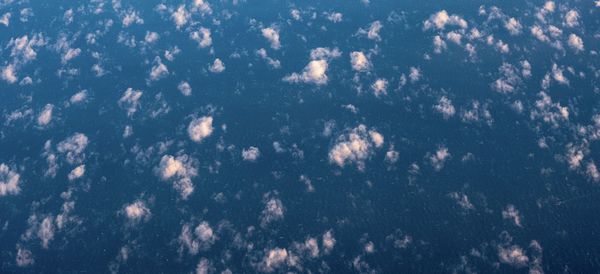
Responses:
[373,31]
[272,35]
[511,213]
[250,154]
[445,107]
[217,66]
[202,37]
[355,147]
[45,115]
[328,241]
[73,147]
[131,17]
[159,70]
[273,211]
[439,158]
[130,100]
[572,19]
[185,88]
[201,238]
[513,26]
[5,19]
[200,128]
[441,19]
[513,255]
[137,212]
[313,73]
[9,74]
[380,87]
[180,16]
[179,170]
[79,97]
[575,42]
[9,181]
[77,173]
[359,61]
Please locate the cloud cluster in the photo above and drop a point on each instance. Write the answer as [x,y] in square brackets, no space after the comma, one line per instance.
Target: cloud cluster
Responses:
[355,147]
[9,181]
[179,171]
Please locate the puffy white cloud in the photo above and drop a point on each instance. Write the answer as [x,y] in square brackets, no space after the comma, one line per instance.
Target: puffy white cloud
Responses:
[202,37]
[250,154]
[511,213]
[509,79]
[572,18]
[550,112]
[575,42]
[159,70]
[45,116]
[273,211]
[325,53]
[445,107]
[538,33]
[335,17]
[355,147]
[5,19]
[137,212]
[73,147]
[438,44]
[205,267]
[179,170]
[440,19]
[46,231]
[513,26]
[130,100]
[415,74]
[262,53]
[454,37]
[328,241]
[513,255]
[200,128]
[24,257]
[185,88]
[70,54]
[359,61]
[275,258]
[592,172]
[201,238]
[180,16]
[439,158]
[131,17]
[295,13]
[151,37]
[462,200]
[217,67]
[9,181]
[557,74]
[77,173]
[374,29]
[380,87]
[203,6]
[272,35]
[79,97]
[313,73]
[9,74]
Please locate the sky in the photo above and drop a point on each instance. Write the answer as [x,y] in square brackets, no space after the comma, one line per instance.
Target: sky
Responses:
[282,136]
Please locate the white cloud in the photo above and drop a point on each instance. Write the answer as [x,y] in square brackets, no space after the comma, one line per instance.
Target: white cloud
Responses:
[262,53]
[439,158]
[185,88]
[251,154]
[159,70]
[511,213]
[179,170]
[313,73]
[295,13]
[355,147]
[575,42]
[205,267]
[440,19]
[380,87]
[592,172]
[438,44]
[273,211]
[217,67]
[202,37]
[374,29]
[151,37]
[203,6]
[272,35]
[79,97]
[200,128]
[73,147]
[275,258]
[9,181]
[328,241]
[508,81]
[9,74]
[5,19]
[445,107]
[70,54]
[513,26]
[359,61]
[45,116]
[137,212]
[513,255]
[415,74]
[454,37]
[180,16]
[572,19]
[324,53]
[335,17]
[24,257]
[131,17]
[130,100]
[46,231]
[538,33]
[557,74]
[77,173]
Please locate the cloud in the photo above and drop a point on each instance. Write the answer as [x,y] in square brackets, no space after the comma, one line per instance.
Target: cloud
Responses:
[439,158]
[77,173]
[151,37]
[445,107]
[5,19]
[9,74]
[415,74]
[274,63]
[179,170]
[324,53]
[513,26]
[355,147]
[130,100]
[441,19]
[70,54]
[9,181]
[200,128]
[438,44]
[46,231]
[201,238]
[159,70]
[137,212]
[572,19]
[538,33]
[511,213]
[79,97]
[24,257]
[275,258]
[45,115]
[557,74]
[131,17]
[380,87]
[180,16]
[373,31]
[272,35]
[335,17]
[575,42]
[217,67]
[185,88]
[73,147]
[203,6]
[509,79]
[250,154]
[328,241]
[273,210]
[359,61]
[202,37]
[313,73]
[513,255]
